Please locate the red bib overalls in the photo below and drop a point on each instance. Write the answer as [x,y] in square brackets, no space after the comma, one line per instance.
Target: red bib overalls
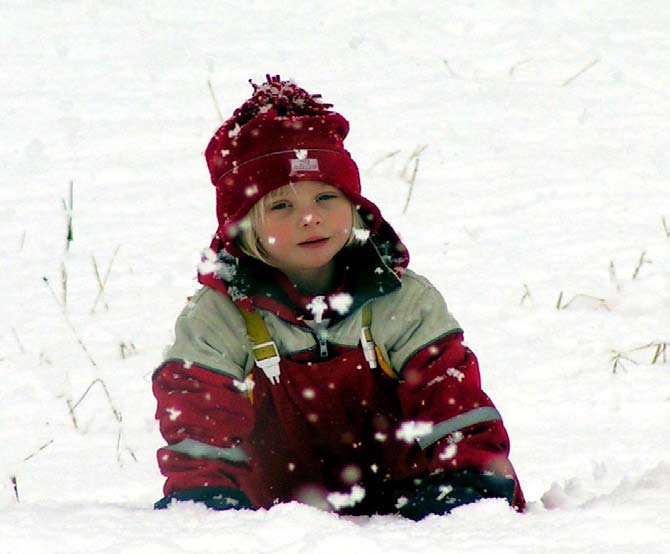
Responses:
[325,427]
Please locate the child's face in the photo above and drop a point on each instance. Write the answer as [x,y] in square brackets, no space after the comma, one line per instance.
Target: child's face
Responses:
[304,226]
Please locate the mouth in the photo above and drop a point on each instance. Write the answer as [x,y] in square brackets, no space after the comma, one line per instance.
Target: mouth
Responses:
[314,242]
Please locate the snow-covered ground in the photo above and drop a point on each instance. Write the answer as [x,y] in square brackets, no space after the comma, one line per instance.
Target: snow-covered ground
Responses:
[546,172]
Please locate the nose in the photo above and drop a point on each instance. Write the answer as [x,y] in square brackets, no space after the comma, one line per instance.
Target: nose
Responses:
[310,217]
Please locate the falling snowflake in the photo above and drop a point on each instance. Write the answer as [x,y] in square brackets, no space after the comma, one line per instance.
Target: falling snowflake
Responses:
[341,302]
[244,386]
[339,500]
[318,307]
[458,375]
[361,235]
[224,269]
[174,413]
[449,452]
[444,491]
[411,430]
[436,380]
[401,502]
[350,474]
[234,131]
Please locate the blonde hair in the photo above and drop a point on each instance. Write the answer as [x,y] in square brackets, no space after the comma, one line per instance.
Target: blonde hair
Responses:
[250,243]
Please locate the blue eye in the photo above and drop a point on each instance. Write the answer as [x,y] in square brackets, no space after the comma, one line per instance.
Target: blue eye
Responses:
[327,196]
[279,206]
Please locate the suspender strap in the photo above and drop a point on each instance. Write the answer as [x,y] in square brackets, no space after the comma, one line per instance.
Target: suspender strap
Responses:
[366,316]
[256,328]
[373,353]
[367,343]
[264,348]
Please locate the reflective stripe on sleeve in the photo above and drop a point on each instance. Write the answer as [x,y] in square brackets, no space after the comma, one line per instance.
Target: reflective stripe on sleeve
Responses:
[197,449]
[478,415]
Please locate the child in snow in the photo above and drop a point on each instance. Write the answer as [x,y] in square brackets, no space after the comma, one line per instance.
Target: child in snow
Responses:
[313,365]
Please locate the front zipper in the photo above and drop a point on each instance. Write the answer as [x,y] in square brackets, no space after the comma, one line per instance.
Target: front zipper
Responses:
[320,336]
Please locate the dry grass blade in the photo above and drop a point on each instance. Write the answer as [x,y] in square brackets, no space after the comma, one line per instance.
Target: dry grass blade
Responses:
[416,157]
[383,159]
[451,71]
[18,341]
[643,260]
[413,156]
[33,454]
[98,381]
[214,100]
[69,323]
[613,278]
[518,65]
[71,411]
[102,283]
[580,72]
[63,282]
[15,486]
[660,351]
[617,362]
[69,207]
[127,349]
[601,302]
[411,185]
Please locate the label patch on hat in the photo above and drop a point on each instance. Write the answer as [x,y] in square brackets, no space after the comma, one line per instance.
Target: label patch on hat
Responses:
[306,164]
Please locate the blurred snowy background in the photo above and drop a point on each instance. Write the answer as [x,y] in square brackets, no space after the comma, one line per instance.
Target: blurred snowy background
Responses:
[540,208]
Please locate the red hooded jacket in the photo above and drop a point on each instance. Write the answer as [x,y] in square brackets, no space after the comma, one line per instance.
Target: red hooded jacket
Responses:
[415,438]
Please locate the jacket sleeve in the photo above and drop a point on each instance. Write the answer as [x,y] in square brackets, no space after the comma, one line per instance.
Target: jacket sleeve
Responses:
[205,420]
[465,435]
[203,411]
[461,433]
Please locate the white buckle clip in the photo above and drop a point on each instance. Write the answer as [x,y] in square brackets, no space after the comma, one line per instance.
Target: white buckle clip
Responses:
[269,365]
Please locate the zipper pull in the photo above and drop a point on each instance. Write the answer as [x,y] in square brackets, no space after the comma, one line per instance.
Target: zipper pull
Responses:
[321,337]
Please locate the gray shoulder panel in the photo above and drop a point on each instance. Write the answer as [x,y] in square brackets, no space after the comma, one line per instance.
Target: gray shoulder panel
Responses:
[410,318]
[211,333]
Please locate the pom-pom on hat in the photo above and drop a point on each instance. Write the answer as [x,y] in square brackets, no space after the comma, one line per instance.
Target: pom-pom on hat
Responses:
[281,135]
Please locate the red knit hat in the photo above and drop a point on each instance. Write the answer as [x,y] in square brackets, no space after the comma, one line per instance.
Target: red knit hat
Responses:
[281,135]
